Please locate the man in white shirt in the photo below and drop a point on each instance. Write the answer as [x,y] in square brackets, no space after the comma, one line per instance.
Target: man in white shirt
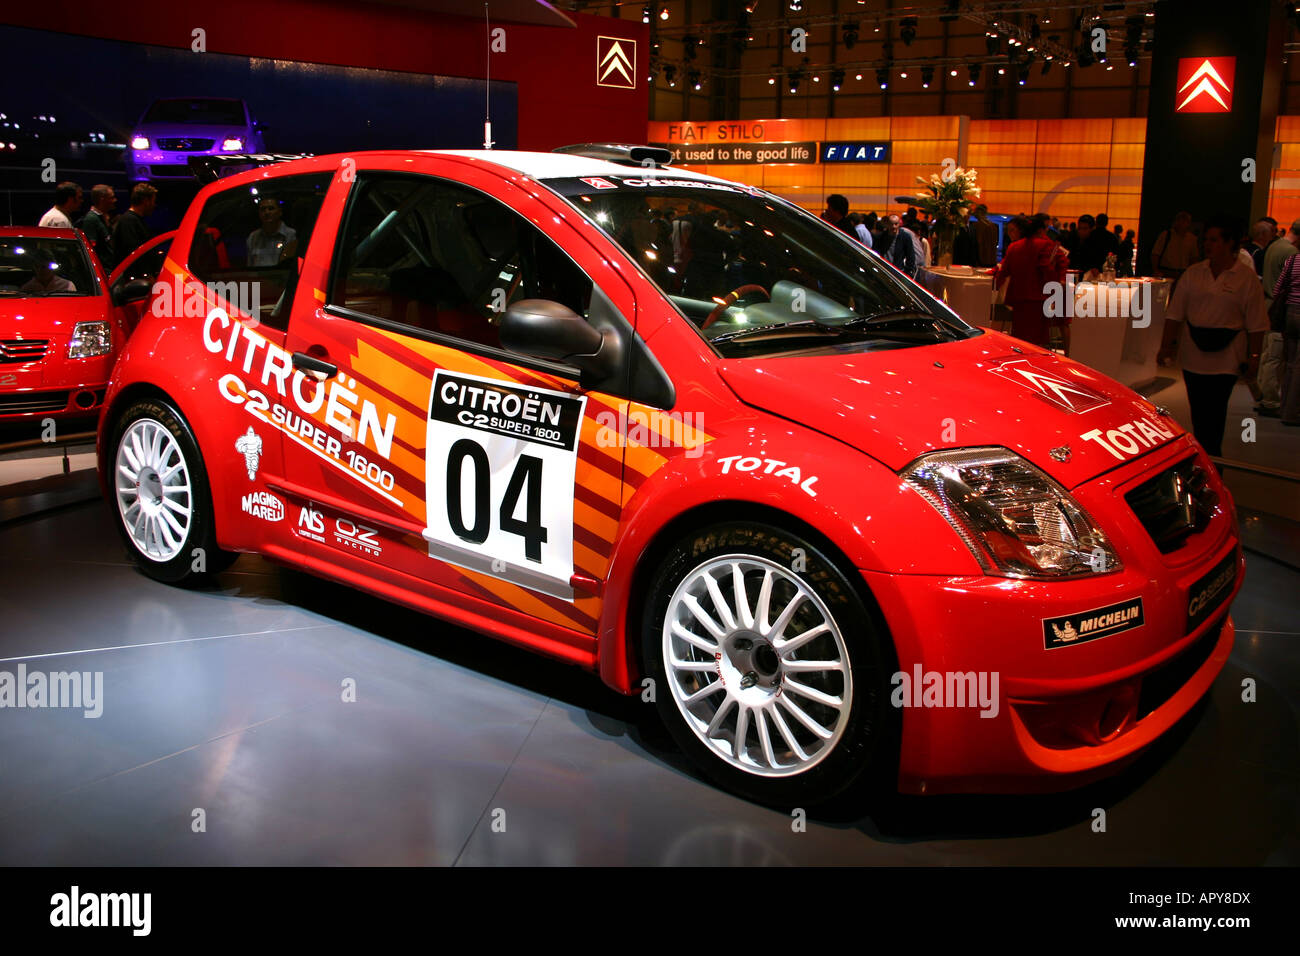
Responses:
[1215,298]
[275,241]
[67,201]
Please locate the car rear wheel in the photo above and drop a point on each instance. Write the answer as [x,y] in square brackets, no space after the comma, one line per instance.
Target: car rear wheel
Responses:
[769,670]
[160,491]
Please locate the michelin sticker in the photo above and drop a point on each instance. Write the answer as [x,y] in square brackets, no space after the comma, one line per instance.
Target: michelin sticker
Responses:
[1090,625]
[499,479]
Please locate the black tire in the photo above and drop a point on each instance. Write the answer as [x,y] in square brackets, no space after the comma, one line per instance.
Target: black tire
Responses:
[200,539]
[865,752]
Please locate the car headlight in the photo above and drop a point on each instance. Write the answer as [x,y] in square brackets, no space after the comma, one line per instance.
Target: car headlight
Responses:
[232,144]
[90,339]
[140,142]
[1015,519]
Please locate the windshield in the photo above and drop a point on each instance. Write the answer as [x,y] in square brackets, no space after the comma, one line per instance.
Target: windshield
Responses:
[42,267]
[200,112]
[757,275]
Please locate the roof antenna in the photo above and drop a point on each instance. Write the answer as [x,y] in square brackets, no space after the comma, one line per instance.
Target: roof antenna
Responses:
[487,92]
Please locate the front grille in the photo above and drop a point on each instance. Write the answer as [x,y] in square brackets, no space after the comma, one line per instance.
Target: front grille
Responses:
[22,350]
[1174,504]
[17,403]
[186,145]
[1167,679]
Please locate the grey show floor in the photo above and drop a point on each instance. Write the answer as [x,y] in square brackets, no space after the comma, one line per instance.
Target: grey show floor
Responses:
[229,700]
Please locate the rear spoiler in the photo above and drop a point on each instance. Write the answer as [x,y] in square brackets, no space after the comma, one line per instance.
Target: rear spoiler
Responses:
[625,154]
[208,169]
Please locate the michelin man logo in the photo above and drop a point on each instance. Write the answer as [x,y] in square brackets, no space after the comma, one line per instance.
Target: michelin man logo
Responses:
[250,446]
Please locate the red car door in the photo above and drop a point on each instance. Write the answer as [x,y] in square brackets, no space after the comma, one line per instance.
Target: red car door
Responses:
[428,455]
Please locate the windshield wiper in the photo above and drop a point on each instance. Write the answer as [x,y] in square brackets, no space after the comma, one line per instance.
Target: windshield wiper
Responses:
[806,325]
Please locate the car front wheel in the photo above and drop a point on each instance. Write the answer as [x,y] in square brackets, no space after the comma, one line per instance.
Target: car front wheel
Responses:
[773,674]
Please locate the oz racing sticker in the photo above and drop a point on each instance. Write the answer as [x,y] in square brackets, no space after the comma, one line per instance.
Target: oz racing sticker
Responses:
[499,473]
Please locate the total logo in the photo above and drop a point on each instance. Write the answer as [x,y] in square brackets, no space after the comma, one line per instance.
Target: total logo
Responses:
[1205,84]
[349,534]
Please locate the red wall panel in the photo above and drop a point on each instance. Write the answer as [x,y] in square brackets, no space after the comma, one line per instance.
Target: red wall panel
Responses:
[554,67]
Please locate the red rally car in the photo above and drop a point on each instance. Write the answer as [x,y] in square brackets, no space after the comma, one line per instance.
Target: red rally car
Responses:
[680,432]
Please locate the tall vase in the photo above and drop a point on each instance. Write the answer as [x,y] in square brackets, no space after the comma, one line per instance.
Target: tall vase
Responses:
[944,235]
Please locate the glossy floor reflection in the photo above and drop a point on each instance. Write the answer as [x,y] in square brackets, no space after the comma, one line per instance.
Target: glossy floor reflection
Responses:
[462,750]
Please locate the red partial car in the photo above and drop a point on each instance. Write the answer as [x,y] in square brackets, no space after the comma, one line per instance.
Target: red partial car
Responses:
[679,432]
[62,322]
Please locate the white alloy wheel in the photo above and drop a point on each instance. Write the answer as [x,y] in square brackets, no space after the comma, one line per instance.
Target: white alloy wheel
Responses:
[757,665]
[153,491]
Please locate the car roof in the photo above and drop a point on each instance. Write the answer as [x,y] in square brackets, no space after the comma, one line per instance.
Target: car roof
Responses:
[38,232]
[565,165]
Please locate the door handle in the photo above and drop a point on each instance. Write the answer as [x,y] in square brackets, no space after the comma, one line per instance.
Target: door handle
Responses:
[314,366]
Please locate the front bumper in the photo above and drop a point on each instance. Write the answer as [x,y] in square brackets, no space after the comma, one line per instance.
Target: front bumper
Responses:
[1064,714]
[54,386]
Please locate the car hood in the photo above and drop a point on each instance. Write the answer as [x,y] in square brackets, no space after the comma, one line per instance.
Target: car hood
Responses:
[44,318]
[898,404]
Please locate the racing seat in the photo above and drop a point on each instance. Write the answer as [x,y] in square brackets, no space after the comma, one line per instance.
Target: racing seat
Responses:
[430,298]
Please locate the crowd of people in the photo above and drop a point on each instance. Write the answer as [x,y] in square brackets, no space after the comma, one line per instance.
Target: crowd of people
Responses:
[1234,309]
[111,235]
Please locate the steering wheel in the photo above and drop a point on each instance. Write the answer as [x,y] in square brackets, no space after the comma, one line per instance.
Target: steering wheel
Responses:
[730,299]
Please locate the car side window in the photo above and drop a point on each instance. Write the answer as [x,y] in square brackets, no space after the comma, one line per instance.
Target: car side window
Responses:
[436,256]
[249,239]
[146,266]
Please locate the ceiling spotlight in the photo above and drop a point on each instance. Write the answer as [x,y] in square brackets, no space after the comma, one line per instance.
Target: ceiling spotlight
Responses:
[796,5]
[1002,71]
[850,34]
[858,77]
[663,13]
[1047,65]
[927,76]
[645,13]
[670,74]
[902,75]
[694,79]
[882,77]
[992,44]
[907,30]
[974,72]
[688,47]
[1024,75]
[952,72]
[771,80]
[837,79]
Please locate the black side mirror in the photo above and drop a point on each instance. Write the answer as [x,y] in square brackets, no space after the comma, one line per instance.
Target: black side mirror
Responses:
[544,329]
[134,291]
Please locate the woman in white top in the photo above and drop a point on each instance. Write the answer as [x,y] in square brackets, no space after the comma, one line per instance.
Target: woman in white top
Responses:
[1216,319]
